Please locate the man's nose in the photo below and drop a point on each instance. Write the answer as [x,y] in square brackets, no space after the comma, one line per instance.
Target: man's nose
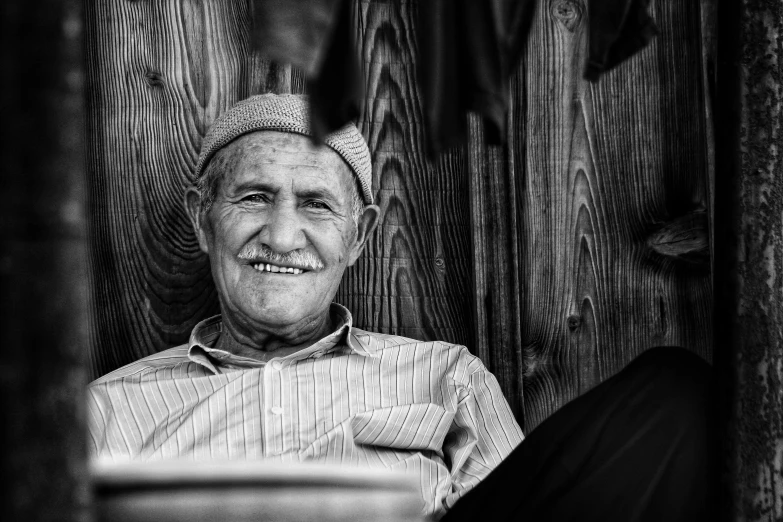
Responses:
[283,232]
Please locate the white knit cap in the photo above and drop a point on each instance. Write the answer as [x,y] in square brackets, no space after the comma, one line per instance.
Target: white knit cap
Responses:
[286,113]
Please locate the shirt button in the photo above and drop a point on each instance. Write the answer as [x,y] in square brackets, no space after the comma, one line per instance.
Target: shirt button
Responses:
[276,365]
[277,410]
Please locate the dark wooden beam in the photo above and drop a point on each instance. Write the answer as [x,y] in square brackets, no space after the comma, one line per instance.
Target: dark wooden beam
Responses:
[749,257]
[43,268]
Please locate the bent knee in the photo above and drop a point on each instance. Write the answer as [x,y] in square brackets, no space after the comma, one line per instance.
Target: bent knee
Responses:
[676,373]
[675,358]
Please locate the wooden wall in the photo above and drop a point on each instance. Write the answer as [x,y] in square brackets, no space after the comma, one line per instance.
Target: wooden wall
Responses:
[556,259]
[613,204]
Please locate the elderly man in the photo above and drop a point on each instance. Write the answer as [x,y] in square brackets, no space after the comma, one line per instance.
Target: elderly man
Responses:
[282,373]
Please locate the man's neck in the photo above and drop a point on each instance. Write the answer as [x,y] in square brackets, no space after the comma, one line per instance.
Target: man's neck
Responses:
[263,346]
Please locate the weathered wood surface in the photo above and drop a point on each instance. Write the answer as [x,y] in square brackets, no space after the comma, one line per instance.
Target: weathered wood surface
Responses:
[160,73]
[414,278]
[556,259]
[43,276]
[607,167]
[497,281]
[749,255]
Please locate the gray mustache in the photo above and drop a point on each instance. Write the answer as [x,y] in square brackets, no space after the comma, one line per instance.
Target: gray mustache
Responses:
[294,257]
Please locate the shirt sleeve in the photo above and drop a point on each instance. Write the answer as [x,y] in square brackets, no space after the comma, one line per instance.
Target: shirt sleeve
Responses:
[483,433]
[98,412]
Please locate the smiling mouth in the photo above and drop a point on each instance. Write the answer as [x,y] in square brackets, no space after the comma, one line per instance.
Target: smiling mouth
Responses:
[267,267]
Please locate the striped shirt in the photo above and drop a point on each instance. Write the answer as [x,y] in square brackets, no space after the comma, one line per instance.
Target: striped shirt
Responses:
[354,397]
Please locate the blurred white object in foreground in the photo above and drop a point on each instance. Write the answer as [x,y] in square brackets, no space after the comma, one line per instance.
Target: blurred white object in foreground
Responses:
[232,491]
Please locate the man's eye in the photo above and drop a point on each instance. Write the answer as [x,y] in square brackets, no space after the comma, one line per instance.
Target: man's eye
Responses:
[255,198]
[318,205]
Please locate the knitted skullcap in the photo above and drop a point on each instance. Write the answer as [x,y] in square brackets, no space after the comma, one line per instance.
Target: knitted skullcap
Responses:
[286,113]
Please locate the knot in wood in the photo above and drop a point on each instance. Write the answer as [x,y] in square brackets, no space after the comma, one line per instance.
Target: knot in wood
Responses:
[440,263]
[684,238]
[574,321]
[531,360]
[153,78]
[567,12]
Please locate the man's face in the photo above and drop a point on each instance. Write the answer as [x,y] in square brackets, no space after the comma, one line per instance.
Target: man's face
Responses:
[279,199]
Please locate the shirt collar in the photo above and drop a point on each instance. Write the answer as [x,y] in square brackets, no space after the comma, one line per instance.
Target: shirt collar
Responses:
[201,348]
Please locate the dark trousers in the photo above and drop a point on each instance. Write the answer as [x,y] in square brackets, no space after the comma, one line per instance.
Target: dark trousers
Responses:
[637,447]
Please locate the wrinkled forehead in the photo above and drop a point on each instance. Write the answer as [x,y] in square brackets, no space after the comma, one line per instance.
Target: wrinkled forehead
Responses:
[273,152]
[276,146]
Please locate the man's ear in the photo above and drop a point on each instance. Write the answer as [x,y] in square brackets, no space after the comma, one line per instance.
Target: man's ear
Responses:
[193,207]
[367,223]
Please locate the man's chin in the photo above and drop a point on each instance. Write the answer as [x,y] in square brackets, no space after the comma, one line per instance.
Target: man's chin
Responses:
[275,313]
[277,301]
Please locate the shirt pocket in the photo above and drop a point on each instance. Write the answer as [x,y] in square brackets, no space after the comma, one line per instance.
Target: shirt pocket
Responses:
[419,426]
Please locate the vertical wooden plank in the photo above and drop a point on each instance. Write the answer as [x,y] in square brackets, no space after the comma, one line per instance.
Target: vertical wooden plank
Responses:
[414,278]
[728,124]
[43,279]
[158,74]
[749,255]
[496,286]
[616,174]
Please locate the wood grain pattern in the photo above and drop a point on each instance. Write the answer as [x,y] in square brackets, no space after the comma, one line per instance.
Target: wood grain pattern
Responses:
[158,74]
[496,284]
[43,276]
[556,258]
[414,277]
[607,165]
[709,46]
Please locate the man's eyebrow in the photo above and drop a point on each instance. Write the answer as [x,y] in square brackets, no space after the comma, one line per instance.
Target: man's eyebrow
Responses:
[317,193]
[254,185]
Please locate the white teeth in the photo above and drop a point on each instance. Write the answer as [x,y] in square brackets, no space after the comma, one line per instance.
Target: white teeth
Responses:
[266,267]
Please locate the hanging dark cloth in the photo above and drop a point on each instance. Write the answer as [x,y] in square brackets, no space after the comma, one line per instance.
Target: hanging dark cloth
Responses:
[618,29]
[467,52]
[316,36]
